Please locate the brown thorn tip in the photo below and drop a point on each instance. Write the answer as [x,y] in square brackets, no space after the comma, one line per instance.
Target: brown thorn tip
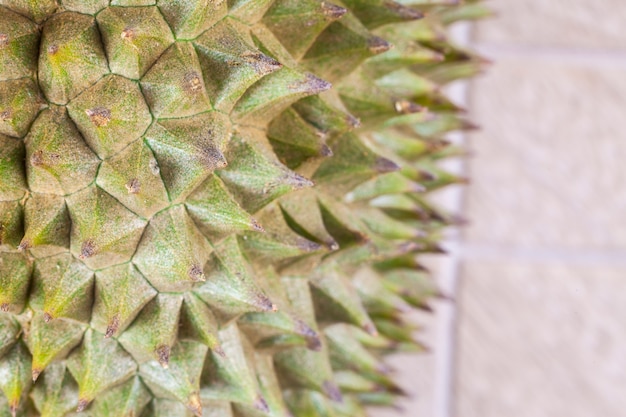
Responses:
[82,404]
[311,85]
[99,116]
[88,249]
[47,317]
[128,34]
[196,274]
[326,151]
[261,63]
[133,186]
[163,355]
[6,114]
[24,245]
[305,330]
[353,121]
[407,107]
[35,373]
[13,408]
[264,303]
[378,45]
[332,391]
[384,165]
[37,158]
[261,405]
[405,12]
[332,11]
[4,40]
[299,182]
[314,344]
[192,82]
[218,349]
[370,329]
[114,324]
[256,226]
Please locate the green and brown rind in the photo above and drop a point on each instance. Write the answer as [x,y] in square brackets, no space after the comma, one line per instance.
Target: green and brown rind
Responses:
[217,207]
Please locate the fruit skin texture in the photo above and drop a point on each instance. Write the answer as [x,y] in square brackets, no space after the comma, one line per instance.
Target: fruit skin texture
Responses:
[216,207]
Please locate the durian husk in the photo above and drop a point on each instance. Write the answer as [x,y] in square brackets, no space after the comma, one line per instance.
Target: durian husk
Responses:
[218,208]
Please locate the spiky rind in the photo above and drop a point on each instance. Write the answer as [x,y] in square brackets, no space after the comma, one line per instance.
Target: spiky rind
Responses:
[190,220]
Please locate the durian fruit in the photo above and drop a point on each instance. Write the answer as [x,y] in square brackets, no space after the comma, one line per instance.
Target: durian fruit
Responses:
[215,207]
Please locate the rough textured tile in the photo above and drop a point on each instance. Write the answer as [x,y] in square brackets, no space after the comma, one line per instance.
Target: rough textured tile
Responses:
[548,165]
[541,341]
[570,23]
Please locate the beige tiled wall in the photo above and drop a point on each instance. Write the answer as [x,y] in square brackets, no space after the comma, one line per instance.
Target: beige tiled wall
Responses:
[538,328]
[541,319]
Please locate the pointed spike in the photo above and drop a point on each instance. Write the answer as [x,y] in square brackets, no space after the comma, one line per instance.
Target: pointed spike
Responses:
[182,379]
[122,293]
[153,333]
[201,139]
[230,288]
[15,369]
[285,19]
[225,49]
[172,235]
[274,93]
[53,340]
[97,365]
[173,86]
[73,47]
[105,239]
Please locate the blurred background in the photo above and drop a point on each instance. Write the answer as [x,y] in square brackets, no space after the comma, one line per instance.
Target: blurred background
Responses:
[538,322]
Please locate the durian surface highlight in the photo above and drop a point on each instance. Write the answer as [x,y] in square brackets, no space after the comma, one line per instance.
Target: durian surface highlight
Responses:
[217,207]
